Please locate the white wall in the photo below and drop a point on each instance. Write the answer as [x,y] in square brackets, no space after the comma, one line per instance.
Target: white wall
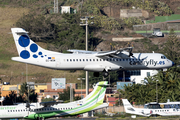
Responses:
[65,9]
[139,79]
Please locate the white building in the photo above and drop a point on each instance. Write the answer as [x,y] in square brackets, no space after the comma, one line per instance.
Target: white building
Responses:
[65,9]
[139,79]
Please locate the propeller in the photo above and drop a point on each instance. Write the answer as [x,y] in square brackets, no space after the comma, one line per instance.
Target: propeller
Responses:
[130,51]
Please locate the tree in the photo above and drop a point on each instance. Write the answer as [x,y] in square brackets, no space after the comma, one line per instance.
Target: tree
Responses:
[24,92]
[65,95]
[171,48]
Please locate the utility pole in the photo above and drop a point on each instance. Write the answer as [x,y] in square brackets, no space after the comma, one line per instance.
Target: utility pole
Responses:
[55,6]
[87,73]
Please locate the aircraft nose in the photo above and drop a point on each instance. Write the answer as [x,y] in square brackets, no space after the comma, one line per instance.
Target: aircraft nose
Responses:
[173,63]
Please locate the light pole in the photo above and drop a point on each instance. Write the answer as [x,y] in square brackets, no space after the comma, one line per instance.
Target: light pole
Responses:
[81,85]
[86,24]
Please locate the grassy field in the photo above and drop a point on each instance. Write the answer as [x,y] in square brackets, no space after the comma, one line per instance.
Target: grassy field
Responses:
[13,71]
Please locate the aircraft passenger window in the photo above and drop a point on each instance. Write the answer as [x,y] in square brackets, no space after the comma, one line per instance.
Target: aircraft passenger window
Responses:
[83,59]
[71,108]
[86,59]
[70,60]
[123,59]
[18,110]
[89,59]
[100,59]
[13,110]
[93,59]
[79,59]
[76,59]
[110,59]
[73,59]
[97,59]
[107,59]
[10,110]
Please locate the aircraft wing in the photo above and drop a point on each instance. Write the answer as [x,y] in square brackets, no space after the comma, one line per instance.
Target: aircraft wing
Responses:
[50,103]
[117,53]
[106,53]
[74,51]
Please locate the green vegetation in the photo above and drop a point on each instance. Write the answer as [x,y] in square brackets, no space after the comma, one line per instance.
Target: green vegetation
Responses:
[65,95]
[171,48]
[167,88]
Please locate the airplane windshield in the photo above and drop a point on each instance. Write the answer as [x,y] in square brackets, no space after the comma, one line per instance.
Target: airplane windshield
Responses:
[152,106]
[163,57]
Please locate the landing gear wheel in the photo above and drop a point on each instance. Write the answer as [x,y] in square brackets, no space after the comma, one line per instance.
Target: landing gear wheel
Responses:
[96,74]
[105,74]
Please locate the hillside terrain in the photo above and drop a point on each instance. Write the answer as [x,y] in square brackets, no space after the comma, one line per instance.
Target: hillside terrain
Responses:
[38,15]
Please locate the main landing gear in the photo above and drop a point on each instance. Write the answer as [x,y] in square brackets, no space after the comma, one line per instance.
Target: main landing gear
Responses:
[104,73]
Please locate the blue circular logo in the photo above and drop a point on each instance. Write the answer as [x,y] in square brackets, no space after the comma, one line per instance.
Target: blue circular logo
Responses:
[24,41]
[35,56]
[40,53]
[33,47]
[25,54]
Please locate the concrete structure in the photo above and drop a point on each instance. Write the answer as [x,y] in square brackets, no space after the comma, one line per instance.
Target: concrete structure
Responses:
[125,13]
[139,79]
[65,9]
[126,38]
[168,25]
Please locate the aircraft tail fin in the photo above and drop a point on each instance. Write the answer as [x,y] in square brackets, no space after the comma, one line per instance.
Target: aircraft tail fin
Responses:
[94,100]
[25,46]
[98,93]
[127,106]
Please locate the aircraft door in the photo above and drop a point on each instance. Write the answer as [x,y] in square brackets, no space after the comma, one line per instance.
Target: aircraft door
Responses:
[58,62]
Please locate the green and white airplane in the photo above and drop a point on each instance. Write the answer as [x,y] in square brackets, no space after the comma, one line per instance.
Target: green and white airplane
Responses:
[45,110]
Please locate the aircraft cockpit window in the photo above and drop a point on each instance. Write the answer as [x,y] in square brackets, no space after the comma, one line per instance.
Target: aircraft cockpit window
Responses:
[163,57]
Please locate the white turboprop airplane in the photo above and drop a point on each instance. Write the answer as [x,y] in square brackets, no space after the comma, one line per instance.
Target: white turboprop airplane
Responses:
[29,52]
[153,108]
[45,110]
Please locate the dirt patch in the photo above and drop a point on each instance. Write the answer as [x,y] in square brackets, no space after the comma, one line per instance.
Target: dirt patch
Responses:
[174,5]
